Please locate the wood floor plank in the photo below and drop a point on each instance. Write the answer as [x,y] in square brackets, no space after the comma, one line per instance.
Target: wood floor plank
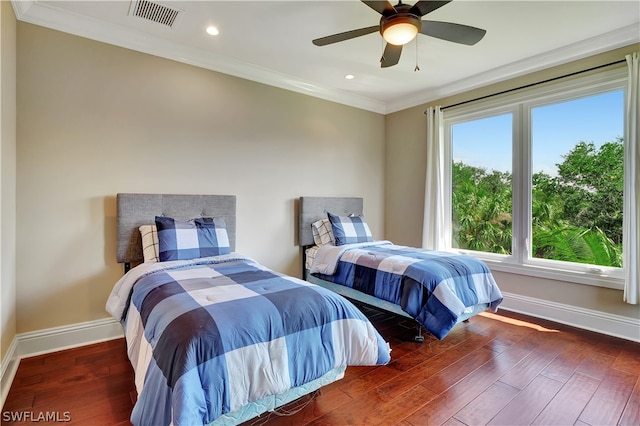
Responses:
[607,404]
[606,345]
[409,360]
[18,402]
[526,370]
[116,409]
[431,366]
[489,403]
[506,337]
[565,364]
[447,404]
[399,407]
[366,383]
[631,413]
[453,373]
[528,404]
[453,422]
[352,413]
[566,406]
[61,377]
[596,365]
[628,359]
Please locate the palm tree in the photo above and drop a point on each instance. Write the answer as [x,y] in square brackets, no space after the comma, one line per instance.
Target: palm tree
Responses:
[481,209]
[570,243]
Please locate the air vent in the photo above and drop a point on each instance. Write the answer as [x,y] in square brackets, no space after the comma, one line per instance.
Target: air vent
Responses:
[154,12]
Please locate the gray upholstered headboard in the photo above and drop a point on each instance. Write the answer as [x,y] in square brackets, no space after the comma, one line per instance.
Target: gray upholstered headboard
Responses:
[141,209]
[316,208]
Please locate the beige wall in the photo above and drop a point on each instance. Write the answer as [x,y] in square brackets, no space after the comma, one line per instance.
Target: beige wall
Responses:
[405,155]
[7,176]
[95,120]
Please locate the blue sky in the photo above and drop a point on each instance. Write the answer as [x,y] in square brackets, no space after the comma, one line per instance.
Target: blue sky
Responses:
[556,128]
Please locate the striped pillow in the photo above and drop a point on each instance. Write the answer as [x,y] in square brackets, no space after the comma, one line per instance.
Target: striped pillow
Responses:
[191,239]
[349,229]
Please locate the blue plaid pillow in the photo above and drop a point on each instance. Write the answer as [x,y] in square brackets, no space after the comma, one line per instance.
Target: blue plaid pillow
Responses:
[349,229]
[191,239]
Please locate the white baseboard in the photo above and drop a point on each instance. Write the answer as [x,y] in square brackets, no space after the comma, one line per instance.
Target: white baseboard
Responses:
[68,336]
[8,370]
[587,319]
[52,340]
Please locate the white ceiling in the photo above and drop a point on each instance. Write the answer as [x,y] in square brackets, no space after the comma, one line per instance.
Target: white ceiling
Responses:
[270,42]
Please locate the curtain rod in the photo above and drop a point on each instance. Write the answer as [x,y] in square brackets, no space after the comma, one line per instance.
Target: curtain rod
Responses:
[532,84]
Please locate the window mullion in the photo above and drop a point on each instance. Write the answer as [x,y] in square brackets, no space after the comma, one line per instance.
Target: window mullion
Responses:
[520,185]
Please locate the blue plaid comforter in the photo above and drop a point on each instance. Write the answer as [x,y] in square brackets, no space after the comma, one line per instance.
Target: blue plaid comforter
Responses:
[435,288]
[207,336]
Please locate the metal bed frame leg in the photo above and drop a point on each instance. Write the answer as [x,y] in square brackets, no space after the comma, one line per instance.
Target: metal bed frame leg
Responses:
[419,338]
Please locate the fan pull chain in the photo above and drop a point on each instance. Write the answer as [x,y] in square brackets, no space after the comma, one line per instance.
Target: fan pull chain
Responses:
[417,68]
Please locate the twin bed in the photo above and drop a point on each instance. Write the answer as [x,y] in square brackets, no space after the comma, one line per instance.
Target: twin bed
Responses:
[436,289]
[215,337]
[219,338]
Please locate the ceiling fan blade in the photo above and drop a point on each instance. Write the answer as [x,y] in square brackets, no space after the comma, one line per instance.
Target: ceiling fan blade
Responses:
[423,7]
[347,35]
[391,55]
[382,7]
[449,31]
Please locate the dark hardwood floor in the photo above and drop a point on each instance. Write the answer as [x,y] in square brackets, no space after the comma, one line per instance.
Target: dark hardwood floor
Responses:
[504,369]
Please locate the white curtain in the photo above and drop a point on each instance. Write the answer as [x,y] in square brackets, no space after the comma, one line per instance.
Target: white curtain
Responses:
[631,218]
[436,233]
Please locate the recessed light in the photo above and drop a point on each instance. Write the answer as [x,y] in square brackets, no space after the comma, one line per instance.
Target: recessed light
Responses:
[349,76]
[212,30]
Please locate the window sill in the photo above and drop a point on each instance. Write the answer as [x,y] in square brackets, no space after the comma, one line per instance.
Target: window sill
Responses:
[599,279]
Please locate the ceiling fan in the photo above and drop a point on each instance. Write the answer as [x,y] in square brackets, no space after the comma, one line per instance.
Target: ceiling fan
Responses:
[401,23]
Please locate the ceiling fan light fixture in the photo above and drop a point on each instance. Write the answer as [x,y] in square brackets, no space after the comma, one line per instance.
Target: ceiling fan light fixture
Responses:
[401,23]
[400,30]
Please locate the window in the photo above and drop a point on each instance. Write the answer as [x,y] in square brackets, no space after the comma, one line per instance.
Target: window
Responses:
[577,179]
[536,179]
[481,196]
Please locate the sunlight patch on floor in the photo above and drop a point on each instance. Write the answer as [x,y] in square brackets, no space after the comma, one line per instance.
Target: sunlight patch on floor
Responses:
[516,322]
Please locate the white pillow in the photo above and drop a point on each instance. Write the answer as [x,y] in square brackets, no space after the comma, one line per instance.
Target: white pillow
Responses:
[149,234]
[322,233]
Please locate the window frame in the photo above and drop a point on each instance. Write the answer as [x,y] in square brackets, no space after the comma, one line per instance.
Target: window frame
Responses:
[520,104]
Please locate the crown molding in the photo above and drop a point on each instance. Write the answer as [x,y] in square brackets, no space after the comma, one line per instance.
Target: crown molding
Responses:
[621,37]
